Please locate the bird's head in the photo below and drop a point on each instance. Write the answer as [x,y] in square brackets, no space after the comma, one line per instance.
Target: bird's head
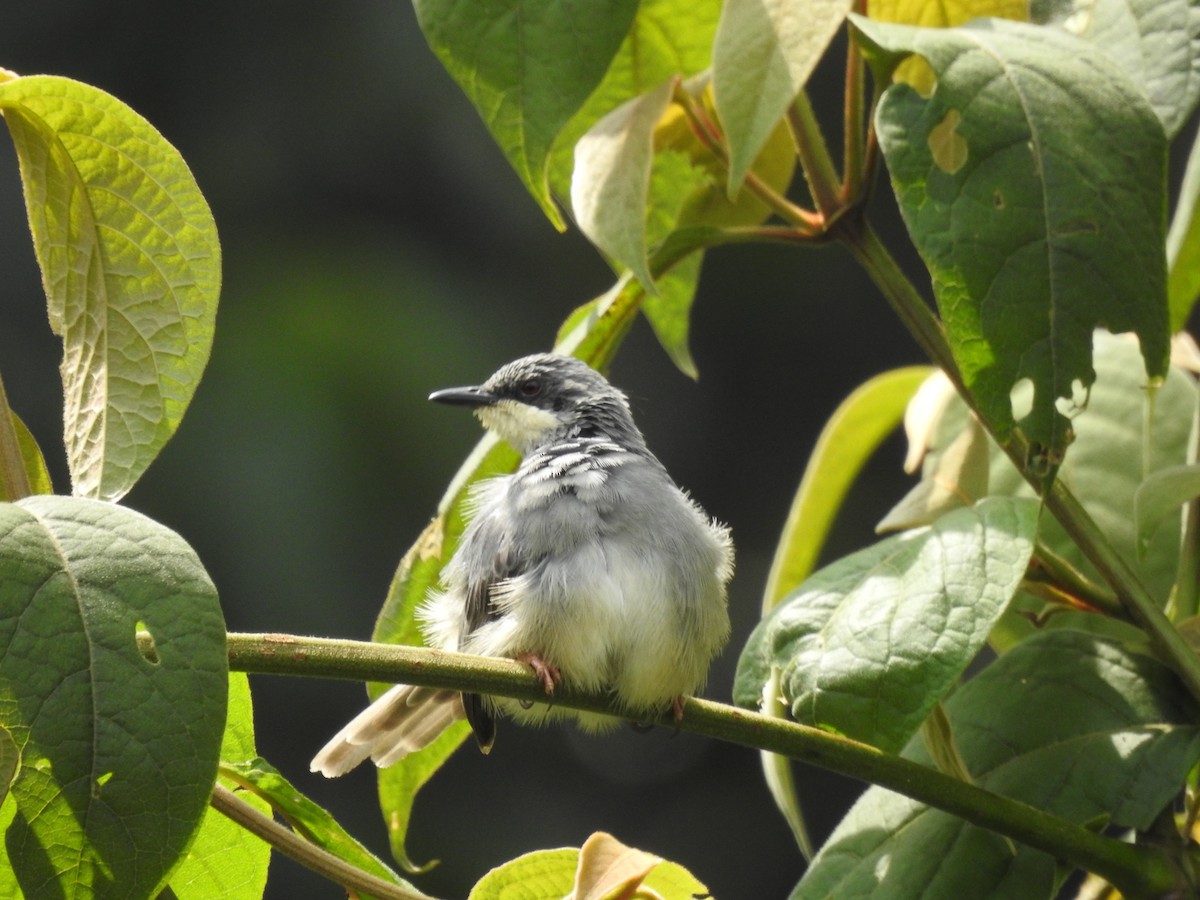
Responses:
[542,398]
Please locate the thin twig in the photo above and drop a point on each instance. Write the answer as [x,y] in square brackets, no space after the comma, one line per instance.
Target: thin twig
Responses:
[307,854]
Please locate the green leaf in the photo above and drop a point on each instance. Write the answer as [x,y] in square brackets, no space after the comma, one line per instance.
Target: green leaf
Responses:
[1030,242]
[36,472]
[868,645]
[1154,41]
[1071,724]
[667,38]
[119,746]
[611,182]
[855,430]
[593,333]
[541,875]
[131,268]
[1159,496]
[226,860]
[763,55]
[309,819]
[603,869]
[669,312]
[1183,246]
[527,66]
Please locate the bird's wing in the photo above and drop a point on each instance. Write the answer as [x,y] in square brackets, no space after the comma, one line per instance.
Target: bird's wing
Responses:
[487,538]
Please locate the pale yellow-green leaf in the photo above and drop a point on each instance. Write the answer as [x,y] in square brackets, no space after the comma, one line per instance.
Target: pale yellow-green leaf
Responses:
[540,875]
[763,54]
[34,463]
[957,477]
[612,179]
[856,428]
[939,15]
[131,269]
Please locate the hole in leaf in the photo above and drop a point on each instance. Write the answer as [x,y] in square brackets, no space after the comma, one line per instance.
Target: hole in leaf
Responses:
[1021,398]
[145,643]
[101,781]
[1076,403]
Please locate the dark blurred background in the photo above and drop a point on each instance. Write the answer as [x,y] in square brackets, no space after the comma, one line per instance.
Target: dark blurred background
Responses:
[376,247]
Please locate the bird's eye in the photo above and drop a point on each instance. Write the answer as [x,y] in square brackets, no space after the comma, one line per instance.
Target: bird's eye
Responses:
[531,387]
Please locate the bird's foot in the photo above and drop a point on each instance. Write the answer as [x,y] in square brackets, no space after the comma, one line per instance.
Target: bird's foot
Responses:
[677,709]
[548,675]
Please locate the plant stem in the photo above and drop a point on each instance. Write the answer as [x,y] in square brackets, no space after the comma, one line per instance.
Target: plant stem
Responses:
[1048,568]
[14,482]
[307,854]
[1135,870]
[815,161]
[853,173]
[706,131]
[1083,530]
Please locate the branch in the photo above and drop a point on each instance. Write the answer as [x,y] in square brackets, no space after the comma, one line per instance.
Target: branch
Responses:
[1134,870]
[307,854]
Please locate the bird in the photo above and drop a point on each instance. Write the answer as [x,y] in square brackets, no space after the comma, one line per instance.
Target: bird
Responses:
[588,564]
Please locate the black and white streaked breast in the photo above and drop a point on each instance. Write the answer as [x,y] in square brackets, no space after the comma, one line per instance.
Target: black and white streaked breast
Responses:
[580,466]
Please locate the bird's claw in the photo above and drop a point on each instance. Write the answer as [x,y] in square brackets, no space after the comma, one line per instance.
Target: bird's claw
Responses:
[548,675]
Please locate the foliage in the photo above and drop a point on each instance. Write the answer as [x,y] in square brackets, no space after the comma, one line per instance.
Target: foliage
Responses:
[1055,519]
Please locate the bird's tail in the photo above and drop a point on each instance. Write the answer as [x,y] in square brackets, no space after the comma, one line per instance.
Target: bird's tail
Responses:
[403,720]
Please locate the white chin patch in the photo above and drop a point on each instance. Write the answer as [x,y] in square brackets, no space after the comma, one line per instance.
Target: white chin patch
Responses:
[518,423]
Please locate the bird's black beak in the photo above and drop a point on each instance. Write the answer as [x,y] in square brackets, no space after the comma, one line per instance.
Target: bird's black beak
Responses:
[464,396]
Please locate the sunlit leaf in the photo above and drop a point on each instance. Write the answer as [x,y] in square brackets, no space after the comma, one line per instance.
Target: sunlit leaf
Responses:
[131,268]
[226,860]
[855,430]
[611,181]
[667,38]
[867,645]
[34,463]
[764,53]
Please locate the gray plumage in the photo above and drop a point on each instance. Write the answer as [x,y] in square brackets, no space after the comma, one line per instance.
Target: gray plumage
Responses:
[588,563]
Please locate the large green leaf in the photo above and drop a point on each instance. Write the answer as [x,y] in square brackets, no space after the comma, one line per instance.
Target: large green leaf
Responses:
[762,57]
[131,268]
[527,66]
[868,645]
[118,743]
[1156,42]
[1072,724]
[593,333]
[1031,241]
